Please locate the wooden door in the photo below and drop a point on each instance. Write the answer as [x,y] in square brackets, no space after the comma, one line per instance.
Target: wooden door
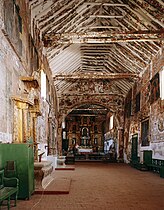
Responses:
[134,151]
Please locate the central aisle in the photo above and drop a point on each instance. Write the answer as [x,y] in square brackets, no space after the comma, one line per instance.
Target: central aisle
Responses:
[99,186]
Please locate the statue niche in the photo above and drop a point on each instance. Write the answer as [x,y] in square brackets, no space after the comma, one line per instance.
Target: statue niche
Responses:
[85,136]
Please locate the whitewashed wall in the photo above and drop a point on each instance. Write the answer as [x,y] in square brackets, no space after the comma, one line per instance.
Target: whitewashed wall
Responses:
[10,71]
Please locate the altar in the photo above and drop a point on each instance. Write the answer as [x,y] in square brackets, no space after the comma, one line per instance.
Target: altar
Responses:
[85,150]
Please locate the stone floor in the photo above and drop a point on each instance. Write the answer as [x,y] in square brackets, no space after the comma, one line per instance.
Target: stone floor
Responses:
[103,186]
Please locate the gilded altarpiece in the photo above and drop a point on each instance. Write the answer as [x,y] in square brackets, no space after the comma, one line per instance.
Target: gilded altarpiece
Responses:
[25,122]
[22,129]
[26,111]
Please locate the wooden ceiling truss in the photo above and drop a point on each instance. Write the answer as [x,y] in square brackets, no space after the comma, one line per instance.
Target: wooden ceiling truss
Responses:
[93,40]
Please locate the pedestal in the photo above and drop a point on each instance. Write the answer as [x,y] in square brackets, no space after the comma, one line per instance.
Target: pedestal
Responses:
[61,160]
[42,174]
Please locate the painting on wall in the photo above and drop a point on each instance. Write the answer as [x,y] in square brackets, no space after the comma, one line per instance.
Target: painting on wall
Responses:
[137,107]
[157,124]
[145,133]
[145,96]
[154,88]
[128,104]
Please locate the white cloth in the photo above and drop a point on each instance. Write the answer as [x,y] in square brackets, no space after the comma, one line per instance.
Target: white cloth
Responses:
[85,150]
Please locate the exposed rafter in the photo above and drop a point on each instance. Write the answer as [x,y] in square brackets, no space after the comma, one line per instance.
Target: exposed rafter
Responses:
[105,4]
[102,27]
[106,16]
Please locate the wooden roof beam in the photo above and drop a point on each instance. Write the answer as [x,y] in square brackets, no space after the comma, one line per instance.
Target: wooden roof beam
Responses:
[136,33]
[106,40]
[95,94]
[95,76]
[96,37]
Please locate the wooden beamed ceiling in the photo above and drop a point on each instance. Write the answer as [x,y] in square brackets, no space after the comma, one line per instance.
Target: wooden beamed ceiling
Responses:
[93,40]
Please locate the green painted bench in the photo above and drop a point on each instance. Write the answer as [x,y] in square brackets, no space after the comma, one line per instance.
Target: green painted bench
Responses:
[8,189]
[157,166]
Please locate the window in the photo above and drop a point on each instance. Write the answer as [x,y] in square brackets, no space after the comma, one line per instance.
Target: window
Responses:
[19,18]
[13,23]
[161,74]
[111,123]
[43,85]
[63,125]
[47,89]
[64,135]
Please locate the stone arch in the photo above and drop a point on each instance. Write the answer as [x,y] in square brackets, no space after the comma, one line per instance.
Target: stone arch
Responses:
[67,109]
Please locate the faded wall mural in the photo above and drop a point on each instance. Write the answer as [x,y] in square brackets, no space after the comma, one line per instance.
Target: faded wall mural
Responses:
[151,109]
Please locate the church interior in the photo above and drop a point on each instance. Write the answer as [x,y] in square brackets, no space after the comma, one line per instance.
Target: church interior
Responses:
[81,81]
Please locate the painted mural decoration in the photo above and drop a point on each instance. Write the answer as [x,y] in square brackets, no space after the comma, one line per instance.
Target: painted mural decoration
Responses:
[107,101]
[145,101]
[128,104]
[91,86]
[145,95]
[161,124]
[157,124]
[158,149]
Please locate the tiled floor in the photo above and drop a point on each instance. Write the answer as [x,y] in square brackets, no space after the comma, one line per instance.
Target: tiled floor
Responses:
[100,186]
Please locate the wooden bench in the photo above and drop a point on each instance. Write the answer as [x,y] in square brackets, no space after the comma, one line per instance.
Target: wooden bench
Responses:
[8,189]
[157,165]
[140,166]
